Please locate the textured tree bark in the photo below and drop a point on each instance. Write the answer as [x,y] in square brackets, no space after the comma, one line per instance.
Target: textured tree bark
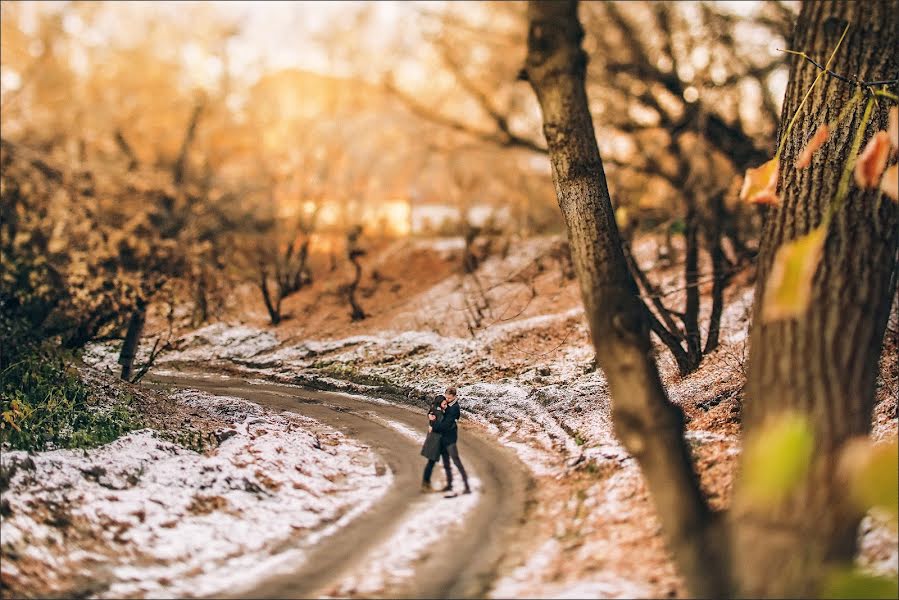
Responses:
[649,426]
[823,364]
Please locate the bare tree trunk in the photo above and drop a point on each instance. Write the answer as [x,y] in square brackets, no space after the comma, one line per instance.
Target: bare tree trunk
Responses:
[469,259]
[721,270]
[181,164]
[668,332]
[691,282]
[272,305]
[649,426]
[132,339]
[201,300]
[125,147]
[353,253]
[822,364]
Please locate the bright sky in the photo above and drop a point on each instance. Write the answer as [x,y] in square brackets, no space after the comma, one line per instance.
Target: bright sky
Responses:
[284,34]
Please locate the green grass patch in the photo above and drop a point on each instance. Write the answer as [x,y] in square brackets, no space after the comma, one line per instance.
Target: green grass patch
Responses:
[45,405]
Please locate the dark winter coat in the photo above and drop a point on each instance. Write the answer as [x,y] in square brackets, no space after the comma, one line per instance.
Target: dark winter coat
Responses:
[446,426]
[432,446]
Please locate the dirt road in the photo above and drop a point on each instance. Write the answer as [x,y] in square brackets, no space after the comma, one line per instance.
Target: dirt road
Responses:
[465,563]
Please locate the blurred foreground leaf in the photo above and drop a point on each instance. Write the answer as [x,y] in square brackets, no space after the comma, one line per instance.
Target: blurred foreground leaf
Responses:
[777,457]
[760,184]
[788,290]
[851,584]
[872,471]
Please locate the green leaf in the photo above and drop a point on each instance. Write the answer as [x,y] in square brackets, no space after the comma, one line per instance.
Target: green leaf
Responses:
[776,459]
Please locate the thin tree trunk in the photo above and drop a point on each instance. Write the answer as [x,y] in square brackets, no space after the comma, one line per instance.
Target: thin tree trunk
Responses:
[125,147]
[201,300]
[357,313]
[178,170]
[822,364]
[469,259]
[273,306]
[720,270]
[353,254]
[132,340]
[668,332]
[691,282]
[649,426]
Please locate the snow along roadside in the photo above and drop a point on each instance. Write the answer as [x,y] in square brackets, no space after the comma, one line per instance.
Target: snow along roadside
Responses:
[162,520]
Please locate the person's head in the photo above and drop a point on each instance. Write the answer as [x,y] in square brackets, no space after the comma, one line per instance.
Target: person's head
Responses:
[450,394]
[439,403]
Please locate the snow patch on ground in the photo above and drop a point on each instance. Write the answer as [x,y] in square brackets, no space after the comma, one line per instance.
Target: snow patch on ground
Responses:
[216,342]
[394,560]
[183,523]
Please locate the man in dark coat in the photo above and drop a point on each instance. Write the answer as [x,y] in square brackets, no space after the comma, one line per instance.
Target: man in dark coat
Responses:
[449,433]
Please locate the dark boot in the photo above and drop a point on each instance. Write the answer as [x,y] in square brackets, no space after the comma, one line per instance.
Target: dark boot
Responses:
[426,487]
[449,477]
[467,489]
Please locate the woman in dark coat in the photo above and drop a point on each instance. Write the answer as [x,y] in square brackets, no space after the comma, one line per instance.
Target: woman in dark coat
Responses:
[431,447]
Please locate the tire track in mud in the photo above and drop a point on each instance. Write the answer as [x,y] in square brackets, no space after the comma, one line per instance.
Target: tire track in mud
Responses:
[465,564]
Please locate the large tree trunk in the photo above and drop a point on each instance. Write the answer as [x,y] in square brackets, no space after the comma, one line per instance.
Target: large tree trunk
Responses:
[649,426]
[823,364]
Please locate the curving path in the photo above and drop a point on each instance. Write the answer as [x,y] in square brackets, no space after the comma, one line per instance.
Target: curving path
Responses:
[465,564]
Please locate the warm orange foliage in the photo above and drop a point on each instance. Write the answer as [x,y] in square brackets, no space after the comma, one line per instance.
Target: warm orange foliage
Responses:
[872,161]
[760,184]
[889,185]
[805,157]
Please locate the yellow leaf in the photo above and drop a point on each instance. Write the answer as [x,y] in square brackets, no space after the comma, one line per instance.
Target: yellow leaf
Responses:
[788,290]
[622,218]
[776,458]
[760,184]
[889,185]
[872,161]
[872,474]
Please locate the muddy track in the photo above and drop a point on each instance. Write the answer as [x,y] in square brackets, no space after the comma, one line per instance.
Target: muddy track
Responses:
[465,564]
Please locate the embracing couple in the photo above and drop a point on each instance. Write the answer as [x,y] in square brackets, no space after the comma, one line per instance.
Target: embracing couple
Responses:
[441,441]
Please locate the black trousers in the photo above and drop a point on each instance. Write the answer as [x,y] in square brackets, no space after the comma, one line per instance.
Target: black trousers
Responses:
[446,453]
